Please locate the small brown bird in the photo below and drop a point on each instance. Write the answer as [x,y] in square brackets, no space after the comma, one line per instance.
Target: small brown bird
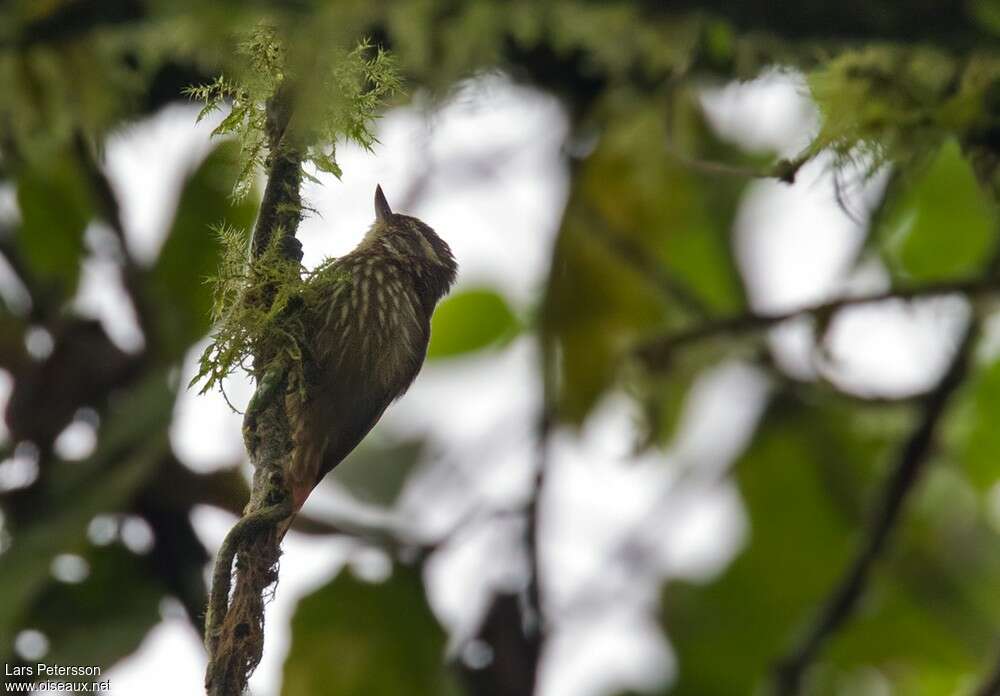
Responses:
[369,340]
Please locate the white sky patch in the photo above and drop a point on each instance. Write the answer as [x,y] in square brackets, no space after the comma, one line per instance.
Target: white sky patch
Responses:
[137,535]
[921,335]
[605,655]
[77,441]
[773,112]
[720,415]
[70,568]
[793,243]
[615,517]
[31,644]
[19,470]
[39,342]
[481,560]
[206,434]
[170,660]
[102,296]
[484,435]
[15,295]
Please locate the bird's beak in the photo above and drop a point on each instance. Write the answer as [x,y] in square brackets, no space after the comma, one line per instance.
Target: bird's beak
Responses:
[382,209]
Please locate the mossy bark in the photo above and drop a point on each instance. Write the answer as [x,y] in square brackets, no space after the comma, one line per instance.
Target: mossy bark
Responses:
[234,624]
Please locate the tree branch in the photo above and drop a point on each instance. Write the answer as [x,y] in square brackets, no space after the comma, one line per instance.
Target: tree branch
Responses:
[784,170]
[656,352]
[535,618]
[234,627]
[514,629]
[911,462]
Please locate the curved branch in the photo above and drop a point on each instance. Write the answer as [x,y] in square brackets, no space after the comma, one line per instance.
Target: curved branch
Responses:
[911,462]
[656,352]
[239,537]
[234,626]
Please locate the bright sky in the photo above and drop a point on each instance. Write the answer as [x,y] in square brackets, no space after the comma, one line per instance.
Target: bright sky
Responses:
[494,183]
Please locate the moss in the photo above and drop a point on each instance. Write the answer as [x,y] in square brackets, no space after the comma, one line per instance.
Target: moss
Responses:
[281,121]
[338,100]
[885,103]
[259,306]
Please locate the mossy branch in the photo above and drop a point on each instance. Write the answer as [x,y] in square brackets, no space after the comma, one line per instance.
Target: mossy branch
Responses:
[261,297]
[234,628]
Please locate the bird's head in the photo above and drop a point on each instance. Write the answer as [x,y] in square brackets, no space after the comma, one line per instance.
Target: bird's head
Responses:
[412,243]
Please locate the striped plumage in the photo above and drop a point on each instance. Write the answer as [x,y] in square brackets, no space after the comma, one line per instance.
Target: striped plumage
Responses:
[369,340]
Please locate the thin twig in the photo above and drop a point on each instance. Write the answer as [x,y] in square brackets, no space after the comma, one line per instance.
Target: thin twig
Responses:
[656,352]
[109,208]
[910,463]
[533,588]
[533,615]
[784,170]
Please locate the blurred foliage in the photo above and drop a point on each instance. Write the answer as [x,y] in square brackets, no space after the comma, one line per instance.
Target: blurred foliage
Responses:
[105,625]
[470,320]
[382,638]
[377,470]
[805,481]
[644,244]
[125,459]
[978,438]
[55,208]
[644,249]
[191,253]
[341,103]
[919,220]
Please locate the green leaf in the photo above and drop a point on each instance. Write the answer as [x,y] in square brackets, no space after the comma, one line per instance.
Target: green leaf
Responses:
[55,209]
[469,321]
[191,254]
[941,225]
[352,638]
[979,439]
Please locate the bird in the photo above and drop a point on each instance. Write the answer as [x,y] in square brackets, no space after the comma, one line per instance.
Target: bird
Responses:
[368,341]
